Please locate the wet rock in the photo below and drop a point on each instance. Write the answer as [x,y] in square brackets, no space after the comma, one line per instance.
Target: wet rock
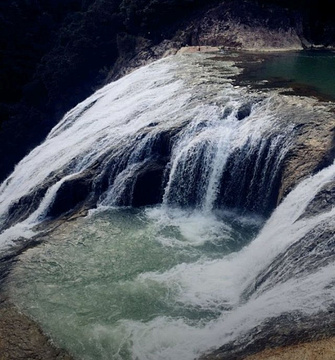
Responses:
[21,338]
[251,180]
[244,111]
[22,208]
[71,194]
[285,330]
[148,188]
[313,145]
[195,49]
[322,202]
[314,251]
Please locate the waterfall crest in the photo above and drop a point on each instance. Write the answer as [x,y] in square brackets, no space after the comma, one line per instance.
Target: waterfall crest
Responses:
[170,132]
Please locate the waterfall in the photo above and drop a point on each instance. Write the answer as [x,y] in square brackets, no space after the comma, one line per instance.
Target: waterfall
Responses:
[187,132]
[179,169]
[264,281]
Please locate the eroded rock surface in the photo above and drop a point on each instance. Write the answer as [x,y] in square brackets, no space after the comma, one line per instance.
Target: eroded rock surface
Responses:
[322,202]
[313,147]
[317,350]
[21,338]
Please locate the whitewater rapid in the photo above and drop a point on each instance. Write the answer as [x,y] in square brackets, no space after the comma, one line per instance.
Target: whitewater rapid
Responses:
[221,283]
[186,276]
[118,130]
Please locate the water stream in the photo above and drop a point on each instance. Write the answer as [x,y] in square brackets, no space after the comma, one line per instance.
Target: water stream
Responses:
[195,266]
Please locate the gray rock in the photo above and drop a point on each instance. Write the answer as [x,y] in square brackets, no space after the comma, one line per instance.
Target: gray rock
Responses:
[324,201]
[21,338]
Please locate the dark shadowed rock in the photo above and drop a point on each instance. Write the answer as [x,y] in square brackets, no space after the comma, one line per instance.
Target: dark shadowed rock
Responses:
[25,206]
[148,185]
[71,194]
[244,111]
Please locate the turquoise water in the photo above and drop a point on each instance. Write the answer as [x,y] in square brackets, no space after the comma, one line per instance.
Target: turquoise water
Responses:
[159,283]
[100,282]
[314,69]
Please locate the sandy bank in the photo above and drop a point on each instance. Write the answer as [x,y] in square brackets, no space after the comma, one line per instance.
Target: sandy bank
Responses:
[317,350]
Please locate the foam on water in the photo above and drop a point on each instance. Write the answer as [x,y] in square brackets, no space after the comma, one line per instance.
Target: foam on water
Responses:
[109,121]
[219,285]
[202,294]
[166,282]
[167,338]
[195,227]
[239,269]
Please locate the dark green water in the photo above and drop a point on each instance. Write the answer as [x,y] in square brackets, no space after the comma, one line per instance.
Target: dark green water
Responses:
[306,72]
[161,283]
[127,284]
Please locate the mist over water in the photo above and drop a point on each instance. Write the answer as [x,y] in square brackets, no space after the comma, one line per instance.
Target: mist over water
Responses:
[203,267]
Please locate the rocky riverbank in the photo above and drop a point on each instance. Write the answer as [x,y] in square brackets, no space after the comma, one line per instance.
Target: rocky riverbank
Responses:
[317,350]
[21,338]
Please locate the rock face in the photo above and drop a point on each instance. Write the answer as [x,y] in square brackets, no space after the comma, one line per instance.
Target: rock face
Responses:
[318,350]
[21,338]
[72,194]
[245,25]
[148,185]
[322,202]
[313,148]
[229,25]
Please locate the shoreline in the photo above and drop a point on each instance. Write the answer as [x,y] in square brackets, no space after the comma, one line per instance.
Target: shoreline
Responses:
[315,350]
[22,338]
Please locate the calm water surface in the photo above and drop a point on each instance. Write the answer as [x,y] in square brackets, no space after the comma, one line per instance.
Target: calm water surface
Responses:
[312,70]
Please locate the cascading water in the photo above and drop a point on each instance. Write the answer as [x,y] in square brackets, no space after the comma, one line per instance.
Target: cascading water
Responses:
[174,280]
[129,129]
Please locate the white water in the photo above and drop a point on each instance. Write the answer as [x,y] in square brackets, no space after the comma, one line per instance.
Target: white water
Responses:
[125,318]
[82,136]
[165,255]
[122,121]
[220,283]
